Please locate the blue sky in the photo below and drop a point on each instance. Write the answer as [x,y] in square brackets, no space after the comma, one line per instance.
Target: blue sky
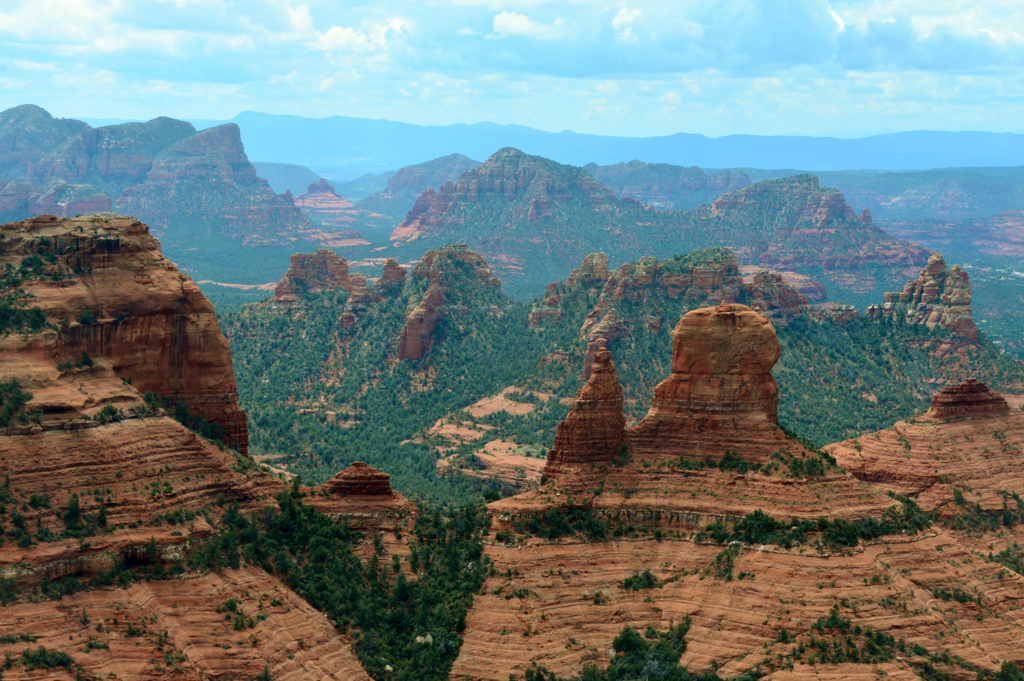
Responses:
[631,68]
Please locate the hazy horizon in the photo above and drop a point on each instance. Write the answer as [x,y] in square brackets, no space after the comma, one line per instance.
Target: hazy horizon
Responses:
[635,69]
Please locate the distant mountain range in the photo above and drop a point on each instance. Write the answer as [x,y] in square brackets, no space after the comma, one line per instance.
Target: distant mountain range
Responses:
[342,148]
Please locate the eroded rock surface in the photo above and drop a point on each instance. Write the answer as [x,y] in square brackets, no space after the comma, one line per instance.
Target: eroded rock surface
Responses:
[104,285]
[593,430]
[939,297]
[970,397]
[721,381]
[970,439]
[324,270]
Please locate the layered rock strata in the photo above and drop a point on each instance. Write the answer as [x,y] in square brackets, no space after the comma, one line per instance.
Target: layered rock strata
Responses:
[968,398]
[969,440]
[324,270]
[361,496]
[593,430]
[322,204]
[106,290]
[721,382]
[939,297]
[359,479]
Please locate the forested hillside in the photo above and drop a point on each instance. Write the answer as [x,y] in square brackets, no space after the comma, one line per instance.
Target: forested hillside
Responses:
[373,375]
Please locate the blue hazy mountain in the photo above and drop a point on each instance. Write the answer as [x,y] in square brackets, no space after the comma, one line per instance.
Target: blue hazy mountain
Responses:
[343,148]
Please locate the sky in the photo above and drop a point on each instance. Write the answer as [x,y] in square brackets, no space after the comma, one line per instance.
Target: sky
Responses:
[634,68]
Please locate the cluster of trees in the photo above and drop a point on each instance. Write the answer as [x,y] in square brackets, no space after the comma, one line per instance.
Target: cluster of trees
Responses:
[403,616]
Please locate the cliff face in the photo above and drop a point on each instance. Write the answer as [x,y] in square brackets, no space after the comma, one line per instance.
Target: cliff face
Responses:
[105,288]
[721,382]
[205,182]
[188,185]
[939,297]
[592,432]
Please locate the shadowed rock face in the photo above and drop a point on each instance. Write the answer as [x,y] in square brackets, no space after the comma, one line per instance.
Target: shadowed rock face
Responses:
[594,427]
[970,397]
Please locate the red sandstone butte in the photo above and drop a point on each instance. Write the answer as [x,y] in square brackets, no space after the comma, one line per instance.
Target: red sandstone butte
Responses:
[359,479]
[721,380]
[970,397]
[361,496]
[110,292]
[324,270]
[594,428]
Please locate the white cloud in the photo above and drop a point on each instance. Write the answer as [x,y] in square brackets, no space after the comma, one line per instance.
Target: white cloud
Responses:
[510,23]
[625,17]
[347,39]
[27,65]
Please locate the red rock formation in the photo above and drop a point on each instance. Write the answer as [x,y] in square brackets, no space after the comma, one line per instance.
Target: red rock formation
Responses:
[721,381]
[360,479]
[969,440]
[394,275]
[593,430]
[810,289]
[205,182]
[769,293]
[968,398]
[415,340]
[939,297]
[324,270]
[114,296]
[361,496]
[333,212]
[445,270]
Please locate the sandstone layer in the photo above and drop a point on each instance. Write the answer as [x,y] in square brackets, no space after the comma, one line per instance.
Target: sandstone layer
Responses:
[107,291]
[593,430]
[969,440]
[313,272]
[361,496]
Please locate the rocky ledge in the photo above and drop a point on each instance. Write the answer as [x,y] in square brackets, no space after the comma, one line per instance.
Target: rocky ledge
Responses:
[934,454]
[970,397]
